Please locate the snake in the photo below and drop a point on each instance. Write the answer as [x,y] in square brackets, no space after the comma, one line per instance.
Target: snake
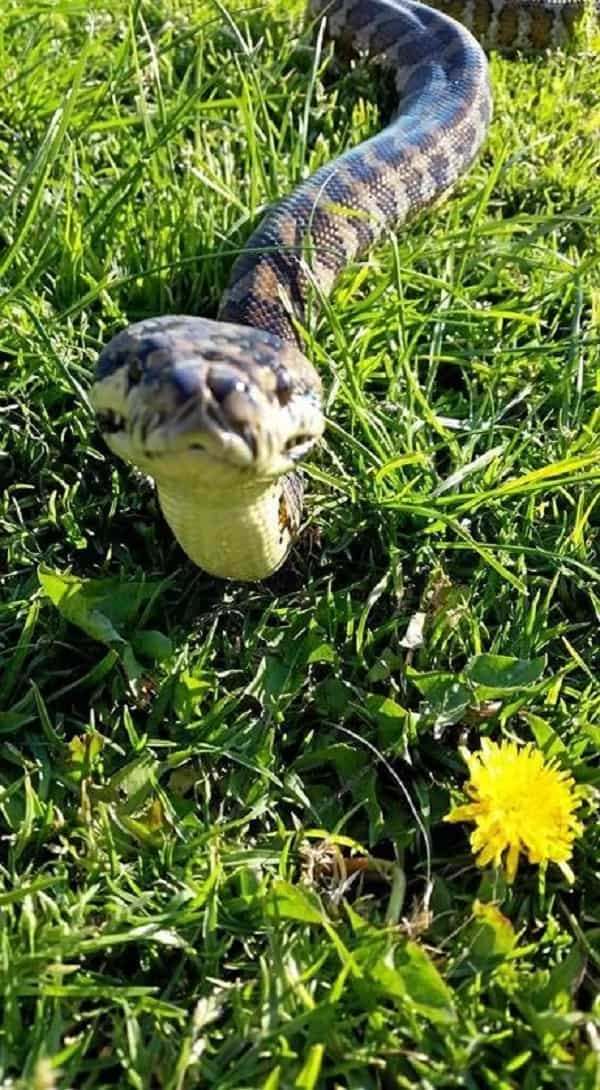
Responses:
[221,413]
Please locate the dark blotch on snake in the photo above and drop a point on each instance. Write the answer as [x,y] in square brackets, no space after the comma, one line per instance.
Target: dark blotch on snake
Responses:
[221,386]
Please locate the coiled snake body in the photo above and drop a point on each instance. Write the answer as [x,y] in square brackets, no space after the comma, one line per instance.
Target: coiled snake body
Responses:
[220,413]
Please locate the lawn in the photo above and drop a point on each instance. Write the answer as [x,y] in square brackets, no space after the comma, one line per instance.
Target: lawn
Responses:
[223,856]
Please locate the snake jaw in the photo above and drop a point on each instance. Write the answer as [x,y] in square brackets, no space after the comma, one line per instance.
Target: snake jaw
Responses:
[193,398]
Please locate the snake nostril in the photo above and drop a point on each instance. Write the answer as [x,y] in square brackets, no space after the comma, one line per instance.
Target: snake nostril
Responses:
[186,379]
[110,422]
[221,386]
[284,388]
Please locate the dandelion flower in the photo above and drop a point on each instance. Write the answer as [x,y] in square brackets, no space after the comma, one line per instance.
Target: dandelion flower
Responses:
[519,804]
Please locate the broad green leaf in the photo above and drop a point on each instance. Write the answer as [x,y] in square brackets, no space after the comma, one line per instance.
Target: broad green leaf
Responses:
[491,935]
[408,972]
[333,696]
[152,644]
[270,680]
[504,672]
[314,648]
[447,697]
[77,605]
[385,711]
[345,758]
[78,599]
[292,903]
[105,609]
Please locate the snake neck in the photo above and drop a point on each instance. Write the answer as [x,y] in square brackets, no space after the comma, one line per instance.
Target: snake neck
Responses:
[229,532]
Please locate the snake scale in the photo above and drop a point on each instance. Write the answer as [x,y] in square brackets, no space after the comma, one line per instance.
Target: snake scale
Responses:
[220,413]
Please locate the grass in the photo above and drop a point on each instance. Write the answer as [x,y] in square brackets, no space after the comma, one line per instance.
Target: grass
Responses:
[183,762]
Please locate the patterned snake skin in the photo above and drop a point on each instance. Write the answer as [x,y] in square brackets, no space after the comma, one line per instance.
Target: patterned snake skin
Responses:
[220,413]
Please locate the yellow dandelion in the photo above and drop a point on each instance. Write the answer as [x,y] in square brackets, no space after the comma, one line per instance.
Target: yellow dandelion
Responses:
[519,804]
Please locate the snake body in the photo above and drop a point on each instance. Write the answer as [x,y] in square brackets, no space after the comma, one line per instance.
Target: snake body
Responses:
[220,413]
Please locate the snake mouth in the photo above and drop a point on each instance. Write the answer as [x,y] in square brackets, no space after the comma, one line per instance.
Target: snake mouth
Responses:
[201,432]
[298,448]
[110,423]
[246,430]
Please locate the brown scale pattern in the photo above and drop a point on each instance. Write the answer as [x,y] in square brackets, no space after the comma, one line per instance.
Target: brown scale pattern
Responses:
[167,387]
[445,107]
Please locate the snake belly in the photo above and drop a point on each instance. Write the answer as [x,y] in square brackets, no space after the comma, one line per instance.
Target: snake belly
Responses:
[221,413]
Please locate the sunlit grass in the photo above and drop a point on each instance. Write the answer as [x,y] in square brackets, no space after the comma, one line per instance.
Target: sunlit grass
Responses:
[173,751]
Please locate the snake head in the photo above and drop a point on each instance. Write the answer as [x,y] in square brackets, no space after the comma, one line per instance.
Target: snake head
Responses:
[188,397]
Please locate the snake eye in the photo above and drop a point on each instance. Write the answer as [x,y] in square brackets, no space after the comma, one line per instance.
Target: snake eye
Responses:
[134,371]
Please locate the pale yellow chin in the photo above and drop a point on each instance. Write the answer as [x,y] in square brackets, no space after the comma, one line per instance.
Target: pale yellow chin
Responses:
[228,465]
[226,517]
[224,498]
[229,533]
